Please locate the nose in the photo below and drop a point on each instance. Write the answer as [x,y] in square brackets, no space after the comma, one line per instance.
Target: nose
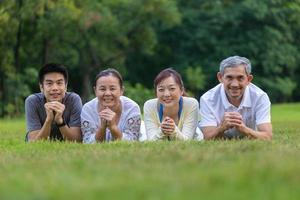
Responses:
[234,83]
[107,92]
[54,86]
[166,93]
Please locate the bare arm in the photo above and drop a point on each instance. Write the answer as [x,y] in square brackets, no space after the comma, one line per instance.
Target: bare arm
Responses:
[110,117]
[68,133]
[45,131]
[101,132]
[264,131]
[211,132]
[71,133]
[230,120]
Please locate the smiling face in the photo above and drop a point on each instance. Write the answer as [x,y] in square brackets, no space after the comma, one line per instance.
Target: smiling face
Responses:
[168,92]
[235,80]
[108,90]
[54,86]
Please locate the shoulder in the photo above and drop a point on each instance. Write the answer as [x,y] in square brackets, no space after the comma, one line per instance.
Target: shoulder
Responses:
[126,101]
[35,98]
[151,103]
[255,90]
[212,94]
[72,101]
[72,96]
[190,101]
[90,104]
[257,94]
[129,106]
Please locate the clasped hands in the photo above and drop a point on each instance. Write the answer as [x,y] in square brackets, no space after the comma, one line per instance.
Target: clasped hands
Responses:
[54,111]
[233,120]
[108,118]
[168,126]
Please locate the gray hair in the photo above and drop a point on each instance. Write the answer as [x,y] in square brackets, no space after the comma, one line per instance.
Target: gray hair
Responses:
[234,61]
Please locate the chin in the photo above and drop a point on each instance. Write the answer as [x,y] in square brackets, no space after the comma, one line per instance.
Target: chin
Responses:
[109,105]
[58,99]
[237,97]
[168,104]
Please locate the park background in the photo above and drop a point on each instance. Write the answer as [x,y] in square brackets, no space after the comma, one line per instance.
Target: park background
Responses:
[140,38]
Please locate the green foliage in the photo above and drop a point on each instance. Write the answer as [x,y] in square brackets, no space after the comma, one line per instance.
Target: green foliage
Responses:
[236,169]
[195,79]
[140,38]
[282,88]
[138,93]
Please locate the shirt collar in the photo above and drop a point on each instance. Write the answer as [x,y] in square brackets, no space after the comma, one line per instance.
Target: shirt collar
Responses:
[246,101]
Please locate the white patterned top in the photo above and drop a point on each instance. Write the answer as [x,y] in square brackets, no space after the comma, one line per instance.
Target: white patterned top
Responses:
[129,123]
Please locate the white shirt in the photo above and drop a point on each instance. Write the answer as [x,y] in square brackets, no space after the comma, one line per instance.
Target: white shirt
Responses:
[186,128]
[129,123]
[254,108]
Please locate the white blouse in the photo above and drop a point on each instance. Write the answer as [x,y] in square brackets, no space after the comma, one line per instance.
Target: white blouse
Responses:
[129,123]
[188,120]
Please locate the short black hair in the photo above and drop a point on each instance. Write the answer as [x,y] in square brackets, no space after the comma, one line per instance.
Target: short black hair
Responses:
[53,67]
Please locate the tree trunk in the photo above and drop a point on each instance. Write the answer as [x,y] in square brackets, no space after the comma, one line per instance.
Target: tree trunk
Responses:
[18,39]
[45,43]
[45,51]
[86,92]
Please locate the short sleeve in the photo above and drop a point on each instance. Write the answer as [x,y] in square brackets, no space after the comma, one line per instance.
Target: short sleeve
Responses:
[75,111]
[88,127]
[206,114]
[33,121]
[263,110]
[131,129]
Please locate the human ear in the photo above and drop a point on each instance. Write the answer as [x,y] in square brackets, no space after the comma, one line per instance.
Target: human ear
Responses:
[95,90]
[220,76]
[41,88]
[122,90]
[250,78]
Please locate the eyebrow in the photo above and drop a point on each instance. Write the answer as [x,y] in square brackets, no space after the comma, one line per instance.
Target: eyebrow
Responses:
[50,80]
[110,86]
[171,85]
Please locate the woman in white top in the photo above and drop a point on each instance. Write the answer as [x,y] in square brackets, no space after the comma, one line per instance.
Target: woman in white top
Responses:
[171,115]
[110,116]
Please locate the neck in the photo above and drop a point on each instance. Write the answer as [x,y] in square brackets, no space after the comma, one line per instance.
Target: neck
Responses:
[171,111]
[236,102]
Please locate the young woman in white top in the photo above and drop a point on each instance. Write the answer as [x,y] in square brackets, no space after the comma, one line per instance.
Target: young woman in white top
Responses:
[110,116]
[170,116]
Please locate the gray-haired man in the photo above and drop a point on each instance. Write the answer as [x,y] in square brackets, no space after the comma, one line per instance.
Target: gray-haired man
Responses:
[235,108]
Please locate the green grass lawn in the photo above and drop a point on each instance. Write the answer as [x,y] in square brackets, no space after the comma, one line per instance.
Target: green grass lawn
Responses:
[245,169]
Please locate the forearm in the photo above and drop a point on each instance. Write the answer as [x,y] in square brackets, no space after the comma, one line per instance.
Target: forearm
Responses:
[257,134]
[100,135]
[179,135]
[116,133]
[71,133]
[213,132]
[41,134]
[188,128]
[153,129]
[154,133]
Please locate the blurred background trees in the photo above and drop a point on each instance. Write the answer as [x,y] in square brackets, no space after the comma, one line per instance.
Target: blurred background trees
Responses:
[141,37]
